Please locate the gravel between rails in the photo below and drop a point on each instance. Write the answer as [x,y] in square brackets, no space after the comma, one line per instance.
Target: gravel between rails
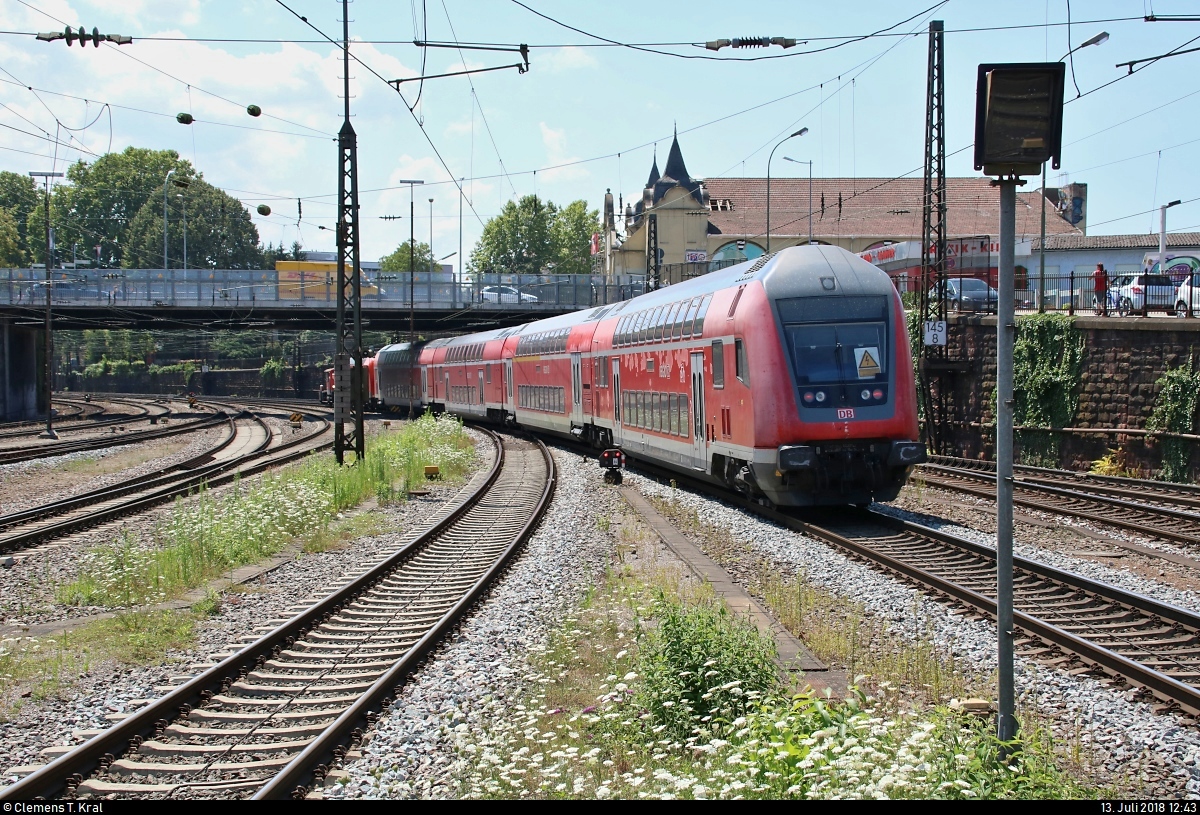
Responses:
[411,754]
[109,688]
[28,484]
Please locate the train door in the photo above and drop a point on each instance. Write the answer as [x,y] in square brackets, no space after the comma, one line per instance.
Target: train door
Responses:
[576,390]
[699,437]
[481,399]
[617,435]
[508,386]
[446,401]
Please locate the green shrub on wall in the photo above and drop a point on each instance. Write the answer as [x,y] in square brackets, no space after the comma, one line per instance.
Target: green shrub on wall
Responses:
[1175,412]
[1047,362]
[912,316]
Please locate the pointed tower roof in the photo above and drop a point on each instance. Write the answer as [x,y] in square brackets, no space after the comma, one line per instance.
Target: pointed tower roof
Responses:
[654,174]
[676,174]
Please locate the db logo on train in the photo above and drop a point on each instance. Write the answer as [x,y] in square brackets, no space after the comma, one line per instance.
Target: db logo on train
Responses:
[845,413]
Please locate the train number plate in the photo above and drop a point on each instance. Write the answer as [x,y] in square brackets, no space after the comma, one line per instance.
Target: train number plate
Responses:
[845,413]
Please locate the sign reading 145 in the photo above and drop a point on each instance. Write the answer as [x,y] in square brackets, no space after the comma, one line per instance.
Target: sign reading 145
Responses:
[935,332]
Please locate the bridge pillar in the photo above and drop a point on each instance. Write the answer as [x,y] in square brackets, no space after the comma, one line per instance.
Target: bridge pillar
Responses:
[21,372]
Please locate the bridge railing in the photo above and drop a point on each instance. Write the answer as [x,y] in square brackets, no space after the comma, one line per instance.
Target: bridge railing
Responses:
[236,288]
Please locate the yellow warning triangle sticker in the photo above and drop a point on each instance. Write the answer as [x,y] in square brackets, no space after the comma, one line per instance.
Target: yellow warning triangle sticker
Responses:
[867,365]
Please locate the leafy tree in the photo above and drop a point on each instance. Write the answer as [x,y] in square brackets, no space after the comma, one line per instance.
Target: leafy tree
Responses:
[98,204]
[398,261]
[534,237]
[11,253]
[219,231]
[572,232]
[19,195]
[518,240]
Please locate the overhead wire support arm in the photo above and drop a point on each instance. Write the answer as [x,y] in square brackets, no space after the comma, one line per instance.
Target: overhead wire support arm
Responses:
[1134,62]
[521,68]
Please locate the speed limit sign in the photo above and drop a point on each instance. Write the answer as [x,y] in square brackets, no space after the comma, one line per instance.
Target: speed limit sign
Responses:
[935,332]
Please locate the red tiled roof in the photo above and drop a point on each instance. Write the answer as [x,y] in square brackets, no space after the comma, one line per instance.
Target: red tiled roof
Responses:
[880,207]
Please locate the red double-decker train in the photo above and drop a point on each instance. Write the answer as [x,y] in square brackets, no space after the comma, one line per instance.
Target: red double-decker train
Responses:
[788,378]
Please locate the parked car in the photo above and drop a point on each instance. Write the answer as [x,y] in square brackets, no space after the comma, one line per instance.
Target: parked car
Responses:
[505,294]
[1187,297]
[968,294]
[1144,291]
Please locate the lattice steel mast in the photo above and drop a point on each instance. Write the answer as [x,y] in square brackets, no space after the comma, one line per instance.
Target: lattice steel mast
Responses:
[348,362]
[932,362]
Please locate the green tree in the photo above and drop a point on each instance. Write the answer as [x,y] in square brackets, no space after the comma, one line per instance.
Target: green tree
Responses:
[220,234]
[19,195]
[11,252]
[97,205]
[398,261]
[572,233]
[517,241]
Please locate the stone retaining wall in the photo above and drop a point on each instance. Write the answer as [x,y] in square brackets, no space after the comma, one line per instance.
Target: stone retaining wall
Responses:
[1123,359]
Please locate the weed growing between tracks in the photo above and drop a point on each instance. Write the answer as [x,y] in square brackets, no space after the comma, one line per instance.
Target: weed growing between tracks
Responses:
[207,536]
[37,669]
[653,690]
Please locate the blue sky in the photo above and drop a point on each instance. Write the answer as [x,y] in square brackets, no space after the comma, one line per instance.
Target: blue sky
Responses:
[863,102]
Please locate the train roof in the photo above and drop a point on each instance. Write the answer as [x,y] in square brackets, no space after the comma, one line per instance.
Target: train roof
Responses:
[796,271]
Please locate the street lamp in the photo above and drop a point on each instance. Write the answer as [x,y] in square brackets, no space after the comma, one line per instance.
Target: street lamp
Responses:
[49,346]
[431,267]
[1098,39]
[1162,235]
[799,132]
[809,163]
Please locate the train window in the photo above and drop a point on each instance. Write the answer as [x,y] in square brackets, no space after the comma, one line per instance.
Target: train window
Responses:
[635,335]
[669,320]
[673,414]
[677,329]
[718,363]
[683,414]
[733,306]
[623,333]
[488,374]
[656,327]
[602,372]
[741,363]
[690,317]
[658,412]
[698,326]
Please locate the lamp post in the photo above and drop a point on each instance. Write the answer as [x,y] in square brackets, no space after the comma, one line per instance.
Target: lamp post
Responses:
[49,339]
[165,180]
[431,261]
[1098,39]
[799,132]
[1162,235]
[809,163]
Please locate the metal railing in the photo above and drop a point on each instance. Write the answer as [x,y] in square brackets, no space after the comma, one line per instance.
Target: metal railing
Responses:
[149,288]
[1126,295]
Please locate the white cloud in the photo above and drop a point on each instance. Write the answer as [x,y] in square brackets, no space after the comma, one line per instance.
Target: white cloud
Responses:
[555,142]
[569,58]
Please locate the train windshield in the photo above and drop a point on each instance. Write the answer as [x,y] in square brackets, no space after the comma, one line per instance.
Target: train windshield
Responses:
[837,339]
[848,352]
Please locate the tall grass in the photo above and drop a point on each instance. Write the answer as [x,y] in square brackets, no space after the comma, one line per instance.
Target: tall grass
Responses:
[207,535]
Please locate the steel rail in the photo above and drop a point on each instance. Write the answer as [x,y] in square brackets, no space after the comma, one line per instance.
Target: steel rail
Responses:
[1167,688]
[1089,480]
[16,455]
[212,475]
[1102,509]
[296,779]
[67,770]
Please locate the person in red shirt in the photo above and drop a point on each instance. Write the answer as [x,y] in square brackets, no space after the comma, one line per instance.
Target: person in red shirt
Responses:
[1100,281]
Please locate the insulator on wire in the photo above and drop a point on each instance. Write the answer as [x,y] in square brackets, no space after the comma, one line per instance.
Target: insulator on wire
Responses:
[254,110]
[184,118]
[751,42]
[263,209]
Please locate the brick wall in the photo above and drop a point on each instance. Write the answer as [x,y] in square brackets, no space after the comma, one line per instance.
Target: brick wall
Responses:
[1123,358]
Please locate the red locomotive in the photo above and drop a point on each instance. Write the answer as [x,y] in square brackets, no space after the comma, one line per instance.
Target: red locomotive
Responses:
[370,392]
[788,378]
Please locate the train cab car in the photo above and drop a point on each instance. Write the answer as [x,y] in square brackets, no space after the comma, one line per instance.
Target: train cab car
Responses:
[397,378]
[370,396]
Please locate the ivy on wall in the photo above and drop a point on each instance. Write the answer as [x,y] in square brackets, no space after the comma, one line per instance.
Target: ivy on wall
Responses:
[1047,362]
[1175,412]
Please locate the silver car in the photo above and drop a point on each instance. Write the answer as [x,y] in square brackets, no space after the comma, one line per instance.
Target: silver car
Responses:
[968,294]
[505,294]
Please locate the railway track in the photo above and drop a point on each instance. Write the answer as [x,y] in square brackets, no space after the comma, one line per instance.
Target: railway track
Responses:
[13,455]
[1065,617]
[1158,513]
[271,718]
[238,454]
